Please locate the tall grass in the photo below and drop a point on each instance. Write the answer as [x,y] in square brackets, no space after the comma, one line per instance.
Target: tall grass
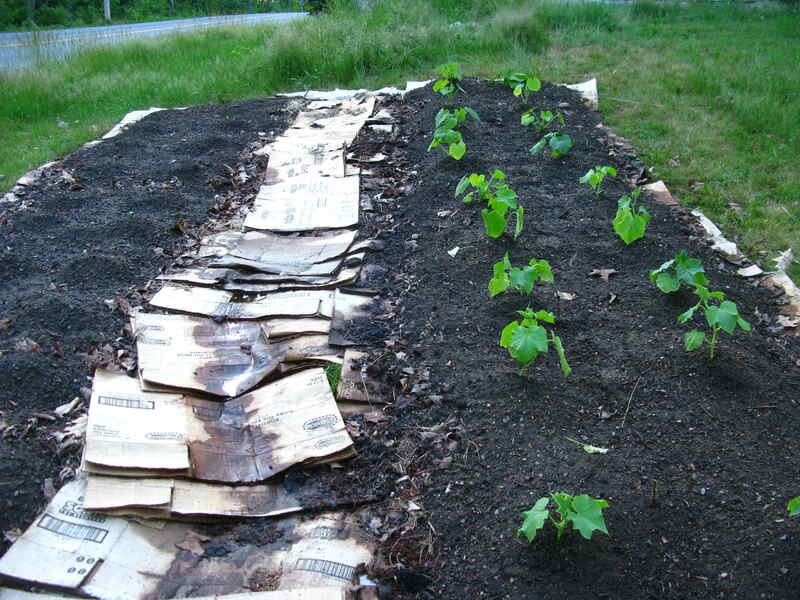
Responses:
[707,93]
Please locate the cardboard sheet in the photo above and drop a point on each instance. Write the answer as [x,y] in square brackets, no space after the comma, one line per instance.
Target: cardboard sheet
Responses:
[224,359]
[312,203]
[293,251]
[355,384]
[110,558]
[327,268]
[217,303]
[249,439]
[290,162]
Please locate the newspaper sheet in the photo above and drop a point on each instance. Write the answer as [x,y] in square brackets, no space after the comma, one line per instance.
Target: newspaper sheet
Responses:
[313,202]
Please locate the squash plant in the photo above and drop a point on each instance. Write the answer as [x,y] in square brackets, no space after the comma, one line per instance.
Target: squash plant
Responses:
[500,198]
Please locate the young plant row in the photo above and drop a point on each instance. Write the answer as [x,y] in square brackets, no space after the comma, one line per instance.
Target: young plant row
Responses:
[528,336]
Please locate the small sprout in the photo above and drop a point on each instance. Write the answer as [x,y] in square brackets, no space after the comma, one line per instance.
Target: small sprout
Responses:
[499,198]
[526,339]
[631,220]
[588,448]
[521,84]
[681,271]
[446,132]
[594,177]
[794,506]
[542,121]
[559,143]
[451,74]
[584,512]
[722,317]
[523,280]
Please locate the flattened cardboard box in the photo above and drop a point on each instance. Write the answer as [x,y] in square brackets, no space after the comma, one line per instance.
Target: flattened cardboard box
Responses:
[249,439]
[218,305]
[307,203]
[111,558]
[224,359]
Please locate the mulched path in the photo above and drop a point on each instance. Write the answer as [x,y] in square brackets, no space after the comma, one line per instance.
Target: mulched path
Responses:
[700,463]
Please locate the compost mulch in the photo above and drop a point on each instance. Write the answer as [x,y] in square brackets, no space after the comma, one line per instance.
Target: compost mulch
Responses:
[701,458]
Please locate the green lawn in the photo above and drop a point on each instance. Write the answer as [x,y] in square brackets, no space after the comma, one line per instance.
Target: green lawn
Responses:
[707,93]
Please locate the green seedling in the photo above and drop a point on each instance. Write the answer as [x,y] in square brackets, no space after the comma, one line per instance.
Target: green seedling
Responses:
[541,121]
[584,512]
[448,84]
[500,198]
[559,143]
[523,280]
[445,131]
[521,84]
[680,271]
[722,317]
[794,506]
[526,339]
[631,220]
[595,177]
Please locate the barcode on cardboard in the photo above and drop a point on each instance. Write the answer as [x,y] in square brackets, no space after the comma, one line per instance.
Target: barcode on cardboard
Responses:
[73,530]
[127,402]
[326,567]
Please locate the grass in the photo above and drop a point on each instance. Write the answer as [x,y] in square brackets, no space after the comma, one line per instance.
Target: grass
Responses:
[706,93]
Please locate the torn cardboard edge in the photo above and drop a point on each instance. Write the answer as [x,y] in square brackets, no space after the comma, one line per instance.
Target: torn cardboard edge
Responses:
[111,558]
[292,421]
[729,251]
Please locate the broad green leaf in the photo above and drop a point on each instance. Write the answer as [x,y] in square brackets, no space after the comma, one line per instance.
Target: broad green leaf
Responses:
[508,331]
[533,84]
[588,515]
[654,273]
[560,144]
[522,279]
[477,180]
[793,507]
[528,342]
[689,270]
[463,183]
[527,313]
[610,171]
[727,316]
[458,149]
[497,286]
[528,117]
[743,324]
[562,357]
[441,116]
[499,270]
[498,175]
[534,519]
[542,269]
[627,226]
[667,283]
[693,339]
[494,222]
[439,84]
[543,315]
[563,504]
[518,90]
[587,178]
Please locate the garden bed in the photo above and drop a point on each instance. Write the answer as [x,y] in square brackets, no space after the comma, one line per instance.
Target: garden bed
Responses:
[699,467]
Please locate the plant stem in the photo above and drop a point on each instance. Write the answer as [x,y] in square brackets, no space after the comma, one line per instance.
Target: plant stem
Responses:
[713,343]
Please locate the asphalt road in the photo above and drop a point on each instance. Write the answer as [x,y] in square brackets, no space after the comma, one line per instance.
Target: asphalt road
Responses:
[21,49]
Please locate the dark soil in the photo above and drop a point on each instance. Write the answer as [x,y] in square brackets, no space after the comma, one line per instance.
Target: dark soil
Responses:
[99,232]
[700,463]
[701,453]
